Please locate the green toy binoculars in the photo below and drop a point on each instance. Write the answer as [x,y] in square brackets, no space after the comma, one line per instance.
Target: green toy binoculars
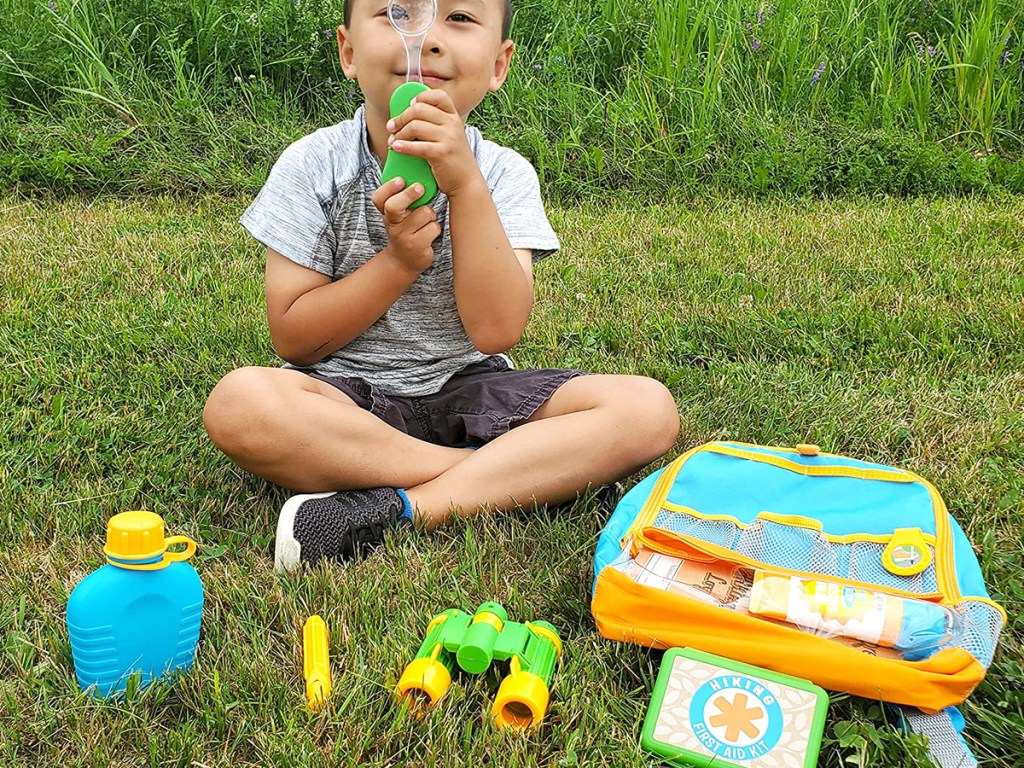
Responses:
[474,641]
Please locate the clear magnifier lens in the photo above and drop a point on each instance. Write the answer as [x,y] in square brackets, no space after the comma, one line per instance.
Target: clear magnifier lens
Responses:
[412,17]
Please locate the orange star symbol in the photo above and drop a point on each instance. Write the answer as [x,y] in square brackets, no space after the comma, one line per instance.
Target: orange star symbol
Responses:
[736,716]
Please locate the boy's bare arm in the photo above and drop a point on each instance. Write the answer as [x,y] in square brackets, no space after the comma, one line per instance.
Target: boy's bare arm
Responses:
[493,284]
[310,317]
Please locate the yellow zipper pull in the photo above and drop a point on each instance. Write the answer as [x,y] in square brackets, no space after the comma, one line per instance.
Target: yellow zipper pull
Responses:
[907,553]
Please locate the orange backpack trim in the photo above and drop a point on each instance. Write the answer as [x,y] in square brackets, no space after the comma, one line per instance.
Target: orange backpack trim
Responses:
[620,606]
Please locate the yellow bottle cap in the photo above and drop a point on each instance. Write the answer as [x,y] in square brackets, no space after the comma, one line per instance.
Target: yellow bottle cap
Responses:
[135,536]
[138,535]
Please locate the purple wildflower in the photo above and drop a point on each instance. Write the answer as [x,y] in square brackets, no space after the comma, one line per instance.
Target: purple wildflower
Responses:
[817,73]
[328,34]
[1005,57]
[53,5]
[538,67]
[754,42]
[760,16]
[931,52]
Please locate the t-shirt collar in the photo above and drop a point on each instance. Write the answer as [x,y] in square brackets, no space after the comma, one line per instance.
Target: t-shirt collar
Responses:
[365,155]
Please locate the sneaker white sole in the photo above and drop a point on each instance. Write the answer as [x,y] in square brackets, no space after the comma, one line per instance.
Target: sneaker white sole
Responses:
[287,550]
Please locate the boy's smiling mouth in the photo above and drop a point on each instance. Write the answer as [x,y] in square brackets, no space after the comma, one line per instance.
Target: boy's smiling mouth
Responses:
[428,77]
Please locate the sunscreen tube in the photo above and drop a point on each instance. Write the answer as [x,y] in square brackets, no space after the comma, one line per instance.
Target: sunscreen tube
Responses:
[829,608]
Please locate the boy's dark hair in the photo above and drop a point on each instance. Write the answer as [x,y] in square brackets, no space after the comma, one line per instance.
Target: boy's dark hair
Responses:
[506,17]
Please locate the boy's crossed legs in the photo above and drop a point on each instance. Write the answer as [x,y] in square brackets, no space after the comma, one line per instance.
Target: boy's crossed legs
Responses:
[304,434]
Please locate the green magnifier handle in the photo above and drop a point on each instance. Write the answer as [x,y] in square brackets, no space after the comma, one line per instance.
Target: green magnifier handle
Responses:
[412,169]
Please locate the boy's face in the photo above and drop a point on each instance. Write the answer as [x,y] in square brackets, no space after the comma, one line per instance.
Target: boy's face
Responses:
[463,53]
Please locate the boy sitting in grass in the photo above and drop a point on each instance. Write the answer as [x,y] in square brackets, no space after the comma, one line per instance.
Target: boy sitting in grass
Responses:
[393,320]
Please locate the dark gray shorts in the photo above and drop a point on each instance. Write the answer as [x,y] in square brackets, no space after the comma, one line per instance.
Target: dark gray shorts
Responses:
[476,405]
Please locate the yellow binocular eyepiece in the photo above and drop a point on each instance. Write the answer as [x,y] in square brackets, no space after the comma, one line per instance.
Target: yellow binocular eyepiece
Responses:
[423,683]
[522,699]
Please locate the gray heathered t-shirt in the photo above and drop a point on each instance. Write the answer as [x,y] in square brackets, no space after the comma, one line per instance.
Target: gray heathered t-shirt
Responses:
[316,210]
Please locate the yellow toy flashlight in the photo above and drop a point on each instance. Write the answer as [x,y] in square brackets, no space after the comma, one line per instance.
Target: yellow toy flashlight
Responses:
[316,662]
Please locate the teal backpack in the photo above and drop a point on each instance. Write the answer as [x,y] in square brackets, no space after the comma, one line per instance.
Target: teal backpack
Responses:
[850,574]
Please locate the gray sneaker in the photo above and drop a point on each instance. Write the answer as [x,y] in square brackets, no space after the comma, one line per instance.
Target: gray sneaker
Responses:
[338,525]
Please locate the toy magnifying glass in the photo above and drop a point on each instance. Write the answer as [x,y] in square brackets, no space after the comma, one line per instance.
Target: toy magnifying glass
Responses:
[412,19]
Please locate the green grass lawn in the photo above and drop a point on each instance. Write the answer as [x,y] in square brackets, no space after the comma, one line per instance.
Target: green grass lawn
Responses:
[889,330]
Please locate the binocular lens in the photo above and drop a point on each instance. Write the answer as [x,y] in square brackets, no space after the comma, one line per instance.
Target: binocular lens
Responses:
[516,713]
[419,700]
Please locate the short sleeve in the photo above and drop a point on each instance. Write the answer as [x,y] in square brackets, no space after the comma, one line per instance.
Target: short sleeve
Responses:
[288,216]
[516,191]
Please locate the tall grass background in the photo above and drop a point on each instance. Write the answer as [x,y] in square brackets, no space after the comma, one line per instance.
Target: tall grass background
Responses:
[792,96]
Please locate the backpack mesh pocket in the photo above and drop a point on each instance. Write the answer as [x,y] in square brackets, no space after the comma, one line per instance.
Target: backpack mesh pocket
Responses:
[724,533]
[799,548]
[981,624]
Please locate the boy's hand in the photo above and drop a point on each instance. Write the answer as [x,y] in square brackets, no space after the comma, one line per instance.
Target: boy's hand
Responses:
[410,232]
[432,129]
